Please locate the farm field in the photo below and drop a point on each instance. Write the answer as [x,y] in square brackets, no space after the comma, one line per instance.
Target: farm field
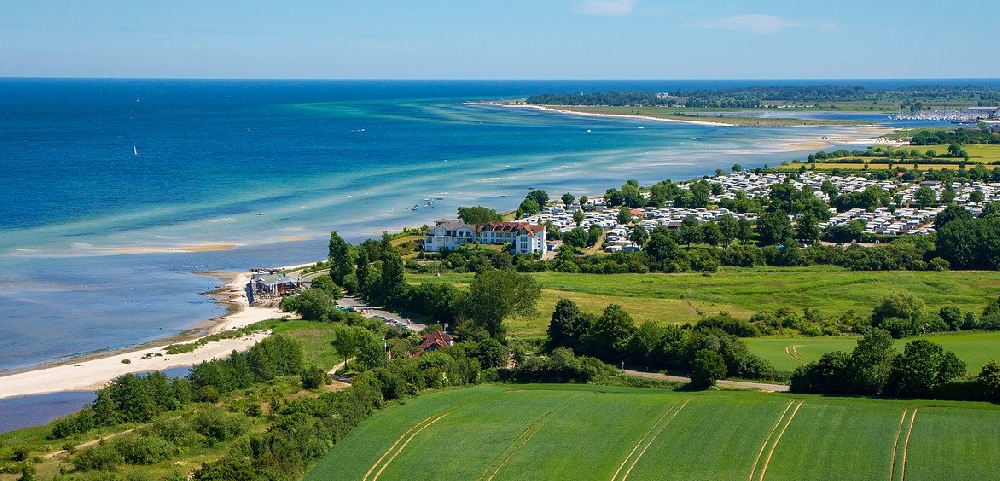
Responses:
[794,166]
[974,348]
[679,298]
[545,431]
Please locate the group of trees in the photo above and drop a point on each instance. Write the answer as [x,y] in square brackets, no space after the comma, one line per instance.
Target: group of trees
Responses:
[667,251]
[138,398]
[532,203]
[613,337]
[957,136]
[494,294]
[924,369]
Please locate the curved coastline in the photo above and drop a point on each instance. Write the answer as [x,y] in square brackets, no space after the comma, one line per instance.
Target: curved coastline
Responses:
[94,371]
[591,114]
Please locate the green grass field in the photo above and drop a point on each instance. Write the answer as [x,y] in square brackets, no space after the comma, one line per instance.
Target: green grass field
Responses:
[974,348]
[584,432]
[679,298]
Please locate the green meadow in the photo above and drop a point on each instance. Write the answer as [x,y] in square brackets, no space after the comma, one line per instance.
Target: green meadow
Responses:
[974,348]
[585,432]
[681,298]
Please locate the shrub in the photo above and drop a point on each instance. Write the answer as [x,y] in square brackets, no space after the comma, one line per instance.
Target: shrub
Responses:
[707,367]
[217,425]
[102,457]
[314,377]
[143,449]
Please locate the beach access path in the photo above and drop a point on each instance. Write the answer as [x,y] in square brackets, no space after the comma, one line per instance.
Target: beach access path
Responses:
[95,373]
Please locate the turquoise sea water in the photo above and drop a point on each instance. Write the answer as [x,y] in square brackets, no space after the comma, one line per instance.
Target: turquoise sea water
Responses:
[111,187]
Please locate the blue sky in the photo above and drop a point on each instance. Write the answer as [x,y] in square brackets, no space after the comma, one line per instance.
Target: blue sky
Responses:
[506,39]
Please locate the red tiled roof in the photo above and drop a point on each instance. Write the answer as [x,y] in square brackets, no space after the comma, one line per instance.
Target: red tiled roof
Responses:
[436,339]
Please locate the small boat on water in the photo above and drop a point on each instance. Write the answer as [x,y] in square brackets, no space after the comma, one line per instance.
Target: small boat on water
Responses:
[135,151]
[415,207]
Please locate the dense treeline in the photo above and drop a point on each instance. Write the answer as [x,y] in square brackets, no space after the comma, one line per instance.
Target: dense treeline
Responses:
[613,337]
[923,370]
[753,96]
[957,136]
[305,428]
[138,398]
[618,99]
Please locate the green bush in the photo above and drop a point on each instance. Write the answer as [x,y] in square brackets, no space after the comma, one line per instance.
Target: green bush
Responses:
[217,425]
[706,368]
[143,449]
[102,457]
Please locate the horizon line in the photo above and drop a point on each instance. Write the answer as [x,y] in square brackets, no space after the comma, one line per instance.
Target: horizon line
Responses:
[430,79]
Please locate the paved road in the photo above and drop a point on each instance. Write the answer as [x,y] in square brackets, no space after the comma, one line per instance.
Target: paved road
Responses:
[737,384]
[375,311]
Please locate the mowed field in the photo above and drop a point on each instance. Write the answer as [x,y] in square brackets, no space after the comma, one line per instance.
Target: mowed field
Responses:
[681,298]
[974,348]
[582,432]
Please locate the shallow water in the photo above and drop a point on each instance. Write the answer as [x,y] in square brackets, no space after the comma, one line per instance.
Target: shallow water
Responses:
[115,188]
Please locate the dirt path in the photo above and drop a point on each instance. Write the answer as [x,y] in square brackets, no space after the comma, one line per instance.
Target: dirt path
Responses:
[736,384]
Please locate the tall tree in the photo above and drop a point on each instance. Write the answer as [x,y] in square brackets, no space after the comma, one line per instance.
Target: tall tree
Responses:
[624,216]
[561,330]
[568,199]
[807,229]
[871,362]
[773,228]
[495,295]
[477,216]
[342,258]
[729,227]
[639,235]
[610,333]
[347,340]
[393,272]
[539,196]
[925,196]
[922,368]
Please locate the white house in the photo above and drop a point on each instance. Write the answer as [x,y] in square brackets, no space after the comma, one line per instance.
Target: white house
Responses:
[450,234]
[526,238]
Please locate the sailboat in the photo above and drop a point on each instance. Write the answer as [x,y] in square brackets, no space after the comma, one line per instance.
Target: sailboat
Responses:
[135,151]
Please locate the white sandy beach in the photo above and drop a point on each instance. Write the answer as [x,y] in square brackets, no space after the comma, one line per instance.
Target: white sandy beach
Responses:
[92,374]
[641,117]
[861,135]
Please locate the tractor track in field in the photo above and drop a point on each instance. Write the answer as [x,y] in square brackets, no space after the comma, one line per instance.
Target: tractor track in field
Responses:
[653,439]
[906,446]
[659,422]
[528,433]
[767,441]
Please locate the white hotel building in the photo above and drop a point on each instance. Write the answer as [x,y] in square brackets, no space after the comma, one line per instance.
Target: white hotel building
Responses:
[450,234]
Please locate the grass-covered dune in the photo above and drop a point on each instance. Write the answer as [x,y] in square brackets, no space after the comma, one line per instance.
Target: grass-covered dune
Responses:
[586,432]
[679,298]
